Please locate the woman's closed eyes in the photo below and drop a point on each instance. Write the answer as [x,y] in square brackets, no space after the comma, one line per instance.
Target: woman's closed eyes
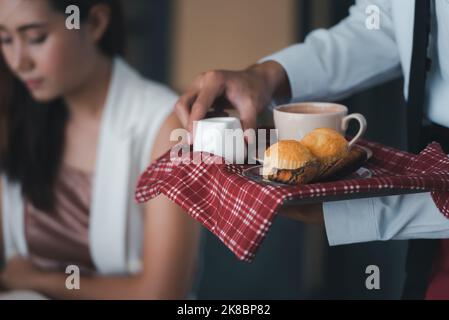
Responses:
[32,38]
[35,40]
[5,40]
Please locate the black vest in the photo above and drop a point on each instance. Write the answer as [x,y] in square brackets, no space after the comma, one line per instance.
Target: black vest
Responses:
[421,253]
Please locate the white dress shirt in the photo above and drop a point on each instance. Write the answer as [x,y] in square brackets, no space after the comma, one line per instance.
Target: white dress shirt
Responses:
[349,57]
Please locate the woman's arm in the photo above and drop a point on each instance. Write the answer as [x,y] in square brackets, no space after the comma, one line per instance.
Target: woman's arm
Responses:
[170,250]
[171,237]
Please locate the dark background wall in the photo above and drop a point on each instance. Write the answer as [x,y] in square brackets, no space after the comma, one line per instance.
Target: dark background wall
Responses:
[148,25]
[294,261]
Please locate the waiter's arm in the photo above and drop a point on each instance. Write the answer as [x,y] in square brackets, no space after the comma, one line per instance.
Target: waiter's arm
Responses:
[328,65]
[403,217]
[349,57]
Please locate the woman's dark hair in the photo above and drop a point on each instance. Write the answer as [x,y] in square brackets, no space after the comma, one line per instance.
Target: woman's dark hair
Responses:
[32,134]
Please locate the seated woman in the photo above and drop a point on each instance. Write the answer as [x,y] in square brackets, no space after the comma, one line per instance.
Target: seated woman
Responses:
[77,126]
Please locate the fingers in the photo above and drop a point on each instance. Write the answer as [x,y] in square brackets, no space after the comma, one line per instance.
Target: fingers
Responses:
[248,118]
[194,104]
[308,213]
[204,101]
[183,107]
[237,88]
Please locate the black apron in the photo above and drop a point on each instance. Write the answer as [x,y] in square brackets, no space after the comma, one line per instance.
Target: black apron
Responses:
[421,253]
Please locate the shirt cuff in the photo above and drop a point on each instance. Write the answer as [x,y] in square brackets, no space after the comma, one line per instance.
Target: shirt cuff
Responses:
[350,221]
[299,62]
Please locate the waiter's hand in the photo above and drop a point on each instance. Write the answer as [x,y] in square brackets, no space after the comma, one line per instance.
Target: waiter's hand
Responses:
[249,91]
[308,213]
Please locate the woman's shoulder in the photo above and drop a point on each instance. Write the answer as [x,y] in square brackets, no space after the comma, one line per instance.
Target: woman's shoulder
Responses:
[138,101]
[142,87]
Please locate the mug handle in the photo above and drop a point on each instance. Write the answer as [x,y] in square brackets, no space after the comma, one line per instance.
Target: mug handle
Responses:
[363,125]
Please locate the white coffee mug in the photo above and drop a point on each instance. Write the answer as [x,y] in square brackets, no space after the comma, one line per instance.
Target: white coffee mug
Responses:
[222,137]
[293,121]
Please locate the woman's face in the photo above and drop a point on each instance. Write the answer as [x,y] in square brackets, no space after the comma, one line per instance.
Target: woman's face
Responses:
[51,60]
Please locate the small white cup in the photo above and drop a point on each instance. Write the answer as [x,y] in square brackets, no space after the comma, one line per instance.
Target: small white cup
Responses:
[222,137]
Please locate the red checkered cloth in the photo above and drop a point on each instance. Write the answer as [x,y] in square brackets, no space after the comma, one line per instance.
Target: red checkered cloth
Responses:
[240,211]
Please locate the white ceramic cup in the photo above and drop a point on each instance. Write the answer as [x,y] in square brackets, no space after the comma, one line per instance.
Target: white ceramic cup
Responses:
[294,121]
[222,137]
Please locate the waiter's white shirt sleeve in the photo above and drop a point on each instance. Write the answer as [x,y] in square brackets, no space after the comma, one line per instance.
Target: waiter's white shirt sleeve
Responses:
[383,218]
[331,64]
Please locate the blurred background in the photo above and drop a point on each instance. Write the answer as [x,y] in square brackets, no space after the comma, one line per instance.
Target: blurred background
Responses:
[172,41]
